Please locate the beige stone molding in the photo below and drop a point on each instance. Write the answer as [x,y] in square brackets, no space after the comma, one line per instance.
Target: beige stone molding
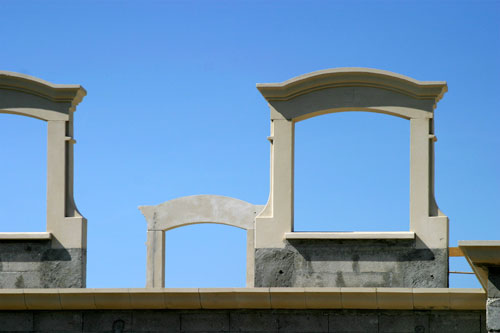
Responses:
[344,90]
[349,77]
[480,255]
[351,235]
[244,298]
[25,235]
[55,103]
[195,209]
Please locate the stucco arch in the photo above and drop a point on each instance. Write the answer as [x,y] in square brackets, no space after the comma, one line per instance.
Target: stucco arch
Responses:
[351,88]
[28,96]
[343,90]
[189,210]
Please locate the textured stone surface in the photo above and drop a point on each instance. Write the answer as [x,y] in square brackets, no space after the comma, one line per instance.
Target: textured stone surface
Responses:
[439,321]
[21,321]
[107,321]
[345,321]
[493,314]
[494,282]
[34,264]
[254,321]
[351,263]
[208,321]
[57,321]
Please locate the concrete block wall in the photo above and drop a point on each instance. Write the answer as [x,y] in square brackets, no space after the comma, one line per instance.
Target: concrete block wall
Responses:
[493,302]
[35,264]
[351,263]
[346,321]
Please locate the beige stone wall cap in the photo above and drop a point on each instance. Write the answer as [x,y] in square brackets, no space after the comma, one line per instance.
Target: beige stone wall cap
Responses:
[243,298]
[25,235]
[351,235]
[352,76]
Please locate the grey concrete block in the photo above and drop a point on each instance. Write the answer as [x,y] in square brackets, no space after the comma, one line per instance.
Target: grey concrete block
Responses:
[15,280]
[494,282]
[34,264]
[493,314]
[400,323]
[274,267]
[21,266]
[107,321]
[483,322]
[454,321]
[16,321]
[351,263]
[421,321]
[64,273]
[255,321]
[353,322]
[156,321]
[403,321]
[58,321]
[23,250]
[346,321]
[208,321]
[303,322]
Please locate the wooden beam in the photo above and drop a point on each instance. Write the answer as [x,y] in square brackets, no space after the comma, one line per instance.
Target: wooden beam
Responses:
[455,252]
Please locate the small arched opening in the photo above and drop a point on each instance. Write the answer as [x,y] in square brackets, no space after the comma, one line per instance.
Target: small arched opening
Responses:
[205,255]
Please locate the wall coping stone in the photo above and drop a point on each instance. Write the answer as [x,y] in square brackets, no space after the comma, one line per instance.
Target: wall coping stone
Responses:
[25,235]
[244,298]
[351,235]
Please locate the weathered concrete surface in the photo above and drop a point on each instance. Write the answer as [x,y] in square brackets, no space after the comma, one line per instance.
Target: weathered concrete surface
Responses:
[346,321]
[34,264]
[493,314]
[351,263]
[493,302]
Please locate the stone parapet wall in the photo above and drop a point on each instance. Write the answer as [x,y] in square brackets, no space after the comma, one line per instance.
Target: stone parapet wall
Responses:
[351,263]
[243,321]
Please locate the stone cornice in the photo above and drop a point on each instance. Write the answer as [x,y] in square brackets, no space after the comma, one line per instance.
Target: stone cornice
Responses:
[352,77]
[70,93]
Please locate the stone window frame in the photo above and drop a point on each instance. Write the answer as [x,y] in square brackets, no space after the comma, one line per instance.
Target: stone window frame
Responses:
[29,96]
[344,90]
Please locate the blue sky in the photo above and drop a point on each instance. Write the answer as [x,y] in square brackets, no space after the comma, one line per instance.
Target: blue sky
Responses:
[172,110]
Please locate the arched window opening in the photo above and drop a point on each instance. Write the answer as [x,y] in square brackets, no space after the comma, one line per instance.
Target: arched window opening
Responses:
[23,184]
[351,173]
[205,255]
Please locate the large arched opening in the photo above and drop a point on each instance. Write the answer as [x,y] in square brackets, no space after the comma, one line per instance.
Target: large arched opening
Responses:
[351,173]
[23,184]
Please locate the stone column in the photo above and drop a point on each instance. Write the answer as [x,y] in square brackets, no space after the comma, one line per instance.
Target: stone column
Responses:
[277,216]
[155,262]
[419,173]
[250,258]
[56,176]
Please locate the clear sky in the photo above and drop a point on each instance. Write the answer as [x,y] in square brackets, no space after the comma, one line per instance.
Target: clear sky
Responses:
[172,110]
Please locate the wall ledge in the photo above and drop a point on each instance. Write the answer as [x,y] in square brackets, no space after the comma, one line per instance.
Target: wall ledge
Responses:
[351,235]
[244,298]
[25,235]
